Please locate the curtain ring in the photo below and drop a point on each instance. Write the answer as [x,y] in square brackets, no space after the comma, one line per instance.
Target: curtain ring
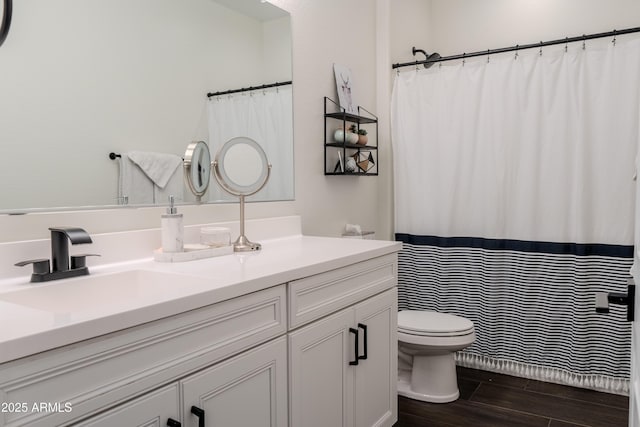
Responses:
[614,38]
[464,59]
[540,53]
[584,42]
[488,55]
[516,55]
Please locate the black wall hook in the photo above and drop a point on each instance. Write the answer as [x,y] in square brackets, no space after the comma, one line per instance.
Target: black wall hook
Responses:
[6,20]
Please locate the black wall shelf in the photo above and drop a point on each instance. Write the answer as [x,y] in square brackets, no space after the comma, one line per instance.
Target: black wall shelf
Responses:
[352,118]
[337,153]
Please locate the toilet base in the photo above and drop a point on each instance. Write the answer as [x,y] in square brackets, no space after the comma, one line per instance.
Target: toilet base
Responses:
[404,389]
[432,378]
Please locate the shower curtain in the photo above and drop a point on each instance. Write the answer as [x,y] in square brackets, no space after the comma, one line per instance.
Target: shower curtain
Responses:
[514,200]
[266,117]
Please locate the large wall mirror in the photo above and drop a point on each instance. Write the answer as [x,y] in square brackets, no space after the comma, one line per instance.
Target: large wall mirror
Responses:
[80,79]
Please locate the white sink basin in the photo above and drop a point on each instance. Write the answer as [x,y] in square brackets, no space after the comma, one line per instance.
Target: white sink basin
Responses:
[97,292]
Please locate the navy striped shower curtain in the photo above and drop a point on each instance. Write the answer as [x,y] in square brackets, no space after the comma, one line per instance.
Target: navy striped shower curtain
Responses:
[514,198]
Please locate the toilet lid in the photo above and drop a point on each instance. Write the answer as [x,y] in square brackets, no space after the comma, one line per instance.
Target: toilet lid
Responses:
[431,323]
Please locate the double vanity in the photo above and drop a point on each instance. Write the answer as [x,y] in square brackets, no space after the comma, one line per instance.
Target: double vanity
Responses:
[302,333]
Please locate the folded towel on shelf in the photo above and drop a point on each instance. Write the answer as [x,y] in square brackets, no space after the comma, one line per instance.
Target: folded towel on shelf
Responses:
[148,178]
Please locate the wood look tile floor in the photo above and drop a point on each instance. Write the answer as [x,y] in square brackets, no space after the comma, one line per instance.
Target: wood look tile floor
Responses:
[494,400]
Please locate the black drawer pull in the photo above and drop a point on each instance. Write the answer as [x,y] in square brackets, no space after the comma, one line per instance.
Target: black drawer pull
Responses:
[198,413]
[364,339]
[173,423]
[355,332]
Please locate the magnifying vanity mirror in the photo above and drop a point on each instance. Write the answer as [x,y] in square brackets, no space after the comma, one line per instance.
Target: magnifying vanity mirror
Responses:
[83,79]
[242,169]
[5,20]
[197,168]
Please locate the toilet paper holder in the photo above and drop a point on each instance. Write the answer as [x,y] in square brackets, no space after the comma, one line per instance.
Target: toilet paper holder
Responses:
[603,299]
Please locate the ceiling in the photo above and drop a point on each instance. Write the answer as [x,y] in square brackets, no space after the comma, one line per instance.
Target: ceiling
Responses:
[262,11]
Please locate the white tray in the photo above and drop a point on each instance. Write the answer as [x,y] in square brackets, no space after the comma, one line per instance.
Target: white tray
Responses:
[191,253]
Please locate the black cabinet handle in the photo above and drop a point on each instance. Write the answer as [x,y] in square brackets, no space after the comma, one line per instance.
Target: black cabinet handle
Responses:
[173,423]
[364,338]
[355,332]
[198,413]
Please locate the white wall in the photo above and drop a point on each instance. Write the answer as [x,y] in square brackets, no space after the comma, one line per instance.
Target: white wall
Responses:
[411,26]
[320,39]
[452,27]
[276,40]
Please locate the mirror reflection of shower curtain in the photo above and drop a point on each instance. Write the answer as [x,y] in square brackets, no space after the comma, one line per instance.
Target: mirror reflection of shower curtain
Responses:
[515,200]
[266,117]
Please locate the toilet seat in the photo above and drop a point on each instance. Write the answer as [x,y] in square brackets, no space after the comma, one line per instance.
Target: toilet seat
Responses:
[433,324]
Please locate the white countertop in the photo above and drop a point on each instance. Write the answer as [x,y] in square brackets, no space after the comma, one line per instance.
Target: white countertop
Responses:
[29,327]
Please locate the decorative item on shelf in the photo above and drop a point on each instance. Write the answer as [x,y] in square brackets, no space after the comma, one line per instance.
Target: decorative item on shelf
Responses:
[351,137]
[339,164]
[344,88]
[350,165]
[362,137]
[364,161]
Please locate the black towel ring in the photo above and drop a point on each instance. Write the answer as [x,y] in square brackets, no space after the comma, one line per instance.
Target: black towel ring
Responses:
[6,20]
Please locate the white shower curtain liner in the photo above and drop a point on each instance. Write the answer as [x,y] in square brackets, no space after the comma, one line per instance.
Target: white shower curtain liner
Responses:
[541,147]
[264,116]
[498,161]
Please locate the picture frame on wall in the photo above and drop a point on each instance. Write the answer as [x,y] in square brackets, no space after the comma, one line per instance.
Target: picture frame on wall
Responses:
[344,87]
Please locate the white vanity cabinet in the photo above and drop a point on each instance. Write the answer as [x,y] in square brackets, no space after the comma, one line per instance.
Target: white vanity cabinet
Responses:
[304,339]
[155,409]
[126,367]
[343,367]
[247,390]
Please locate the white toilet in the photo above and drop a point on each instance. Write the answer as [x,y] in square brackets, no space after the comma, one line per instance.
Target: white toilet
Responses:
[427,342]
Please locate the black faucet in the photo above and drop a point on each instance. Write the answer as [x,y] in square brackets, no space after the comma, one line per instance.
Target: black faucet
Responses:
[62,266]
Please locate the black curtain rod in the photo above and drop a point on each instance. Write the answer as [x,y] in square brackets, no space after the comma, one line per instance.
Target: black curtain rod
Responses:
[248,89]
[584,37]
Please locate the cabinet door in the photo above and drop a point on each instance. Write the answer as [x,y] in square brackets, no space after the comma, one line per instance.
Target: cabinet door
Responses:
[247,390]
[321,379]
[376,376]
[150,410]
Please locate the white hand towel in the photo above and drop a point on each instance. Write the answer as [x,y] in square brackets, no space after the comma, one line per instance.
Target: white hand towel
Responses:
[159,167]
[134,185]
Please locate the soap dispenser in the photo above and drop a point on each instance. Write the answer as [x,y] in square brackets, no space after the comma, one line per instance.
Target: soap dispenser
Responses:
[172,229]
